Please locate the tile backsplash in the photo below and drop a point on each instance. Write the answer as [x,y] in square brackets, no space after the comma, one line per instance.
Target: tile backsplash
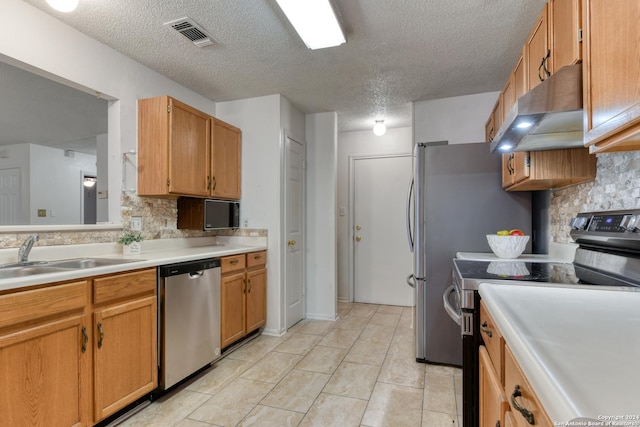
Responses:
[617,186]
[159,221]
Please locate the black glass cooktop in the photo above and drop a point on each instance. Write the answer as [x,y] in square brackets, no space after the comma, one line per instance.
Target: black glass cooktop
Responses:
[472,273]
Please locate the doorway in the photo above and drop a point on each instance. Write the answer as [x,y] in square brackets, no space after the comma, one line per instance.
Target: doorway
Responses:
[381,258]
[89,198]
[10,197]
[294,231]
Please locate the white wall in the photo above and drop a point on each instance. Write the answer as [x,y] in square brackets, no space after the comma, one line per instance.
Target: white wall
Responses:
[259,119]
[321,245]
[395,141]
[459,119]
[55,50]
[56,184]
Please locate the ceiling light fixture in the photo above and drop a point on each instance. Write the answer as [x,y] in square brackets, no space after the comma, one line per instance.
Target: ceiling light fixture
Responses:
[379,128]
[315,21]
[89,181]
[63,5]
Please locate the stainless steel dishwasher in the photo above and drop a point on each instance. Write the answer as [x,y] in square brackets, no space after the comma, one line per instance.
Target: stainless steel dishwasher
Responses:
[189,318]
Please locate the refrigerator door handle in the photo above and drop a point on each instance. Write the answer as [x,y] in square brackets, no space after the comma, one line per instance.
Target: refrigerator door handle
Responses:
[451,311]
[411,280]
[409,231]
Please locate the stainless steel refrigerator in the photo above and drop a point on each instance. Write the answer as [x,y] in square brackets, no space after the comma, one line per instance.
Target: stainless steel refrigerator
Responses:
[456,199]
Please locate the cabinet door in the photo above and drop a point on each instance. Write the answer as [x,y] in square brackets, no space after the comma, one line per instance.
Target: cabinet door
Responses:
[507,170]
[46,375]
[256,299]
[564,24]
[189,151]
[232,308]
[125,354]
[611,74]
[520,166]
[536,50]
[508,96]
[509,420]
[225,161]
[493,402]
[520,80]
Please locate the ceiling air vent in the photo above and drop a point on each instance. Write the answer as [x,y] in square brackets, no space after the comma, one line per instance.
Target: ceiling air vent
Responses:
[191,30]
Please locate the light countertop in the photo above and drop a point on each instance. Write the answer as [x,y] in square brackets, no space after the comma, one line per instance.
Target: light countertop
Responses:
[154,253]
[578,347]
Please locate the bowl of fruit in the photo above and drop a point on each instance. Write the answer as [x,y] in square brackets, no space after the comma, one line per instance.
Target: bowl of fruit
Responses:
[508,243]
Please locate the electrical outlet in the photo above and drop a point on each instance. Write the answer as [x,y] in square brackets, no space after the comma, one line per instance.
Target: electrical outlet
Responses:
[246,223]
[136,223]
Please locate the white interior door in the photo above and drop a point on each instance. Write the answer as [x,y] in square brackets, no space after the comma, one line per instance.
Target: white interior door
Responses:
[10,200]
[381,254]
[294,231]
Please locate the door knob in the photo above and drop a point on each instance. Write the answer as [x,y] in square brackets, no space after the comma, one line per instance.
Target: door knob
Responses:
[291,243]
[358,238]
[358,227]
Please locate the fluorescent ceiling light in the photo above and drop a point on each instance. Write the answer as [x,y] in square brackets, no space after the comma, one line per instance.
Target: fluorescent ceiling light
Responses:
[315,21]
[63,5]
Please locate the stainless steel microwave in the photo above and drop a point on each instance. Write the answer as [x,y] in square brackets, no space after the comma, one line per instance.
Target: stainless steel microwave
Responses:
[207,214]
[221,214]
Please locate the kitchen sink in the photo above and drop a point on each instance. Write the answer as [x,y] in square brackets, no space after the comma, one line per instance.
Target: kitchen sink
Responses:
[15,272]
[22,269]
[88,262]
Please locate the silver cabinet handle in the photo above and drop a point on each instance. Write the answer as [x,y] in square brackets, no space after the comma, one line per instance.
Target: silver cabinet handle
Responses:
[451,311]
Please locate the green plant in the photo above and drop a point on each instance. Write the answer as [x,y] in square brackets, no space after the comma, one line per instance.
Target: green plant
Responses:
[128,237]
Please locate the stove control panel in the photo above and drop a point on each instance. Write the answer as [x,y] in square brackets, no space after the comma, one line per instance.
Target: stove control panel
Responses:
[606,223]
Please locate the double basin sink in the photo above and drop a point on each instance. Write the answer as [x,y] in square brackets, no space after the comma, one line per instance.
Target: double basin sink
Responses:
[29,268]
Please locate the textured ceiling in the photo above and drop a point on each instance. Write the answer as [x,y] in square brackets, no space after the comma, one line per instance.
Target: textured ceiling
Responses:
[397,51]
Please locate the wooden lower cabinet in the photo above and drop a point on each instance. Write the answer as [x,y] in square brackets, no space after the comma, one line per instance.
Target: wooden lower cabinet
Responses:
[509,399]
[243,296]
[125,367]
[232,308]
[45,357]
[493,402]
[67,360]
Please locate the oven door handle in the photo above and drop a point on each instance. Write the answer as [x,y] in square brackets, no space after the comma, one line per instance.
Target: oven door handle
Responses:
[451,311]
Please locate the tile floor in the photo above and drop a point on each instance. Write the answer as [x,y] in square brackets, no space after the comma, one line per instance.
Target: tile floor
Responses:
[357,371]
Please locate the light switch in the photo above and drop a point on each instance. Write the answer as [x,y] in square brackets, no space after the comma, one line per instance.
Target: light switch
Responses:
[136,223]
[343,211]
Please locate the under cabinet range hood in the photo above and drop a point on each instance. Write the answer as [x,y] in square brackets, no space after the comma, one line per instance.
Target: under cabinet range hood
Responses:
[547,117]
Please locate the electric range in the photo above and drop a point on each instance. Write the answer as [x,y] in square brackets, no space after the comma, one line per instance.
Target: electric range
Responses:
[608,257]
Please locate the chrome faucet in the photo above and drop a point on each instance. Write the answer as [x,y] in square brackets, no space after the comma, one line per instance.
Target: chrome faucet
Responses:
[23,252]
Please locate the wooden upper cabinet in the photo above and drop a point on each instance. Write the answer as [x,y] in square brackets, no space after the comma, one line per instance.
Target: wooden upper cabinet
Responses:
[508,96]
[536,51]
[611,75]
[226,152]
[547,169]
[173,148]
[564,33]
[520,81]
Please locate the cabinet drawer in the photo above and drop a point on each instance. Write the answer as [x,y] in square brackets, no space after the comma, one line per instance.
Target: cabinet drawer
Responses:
[30,306]
[526,404]
[232,263]
[492,340]
[125,285]
[255,259]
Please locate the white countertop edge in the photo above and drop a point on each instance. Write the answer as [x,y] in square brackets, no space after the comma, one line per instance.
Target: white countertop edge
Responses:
[148,258]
